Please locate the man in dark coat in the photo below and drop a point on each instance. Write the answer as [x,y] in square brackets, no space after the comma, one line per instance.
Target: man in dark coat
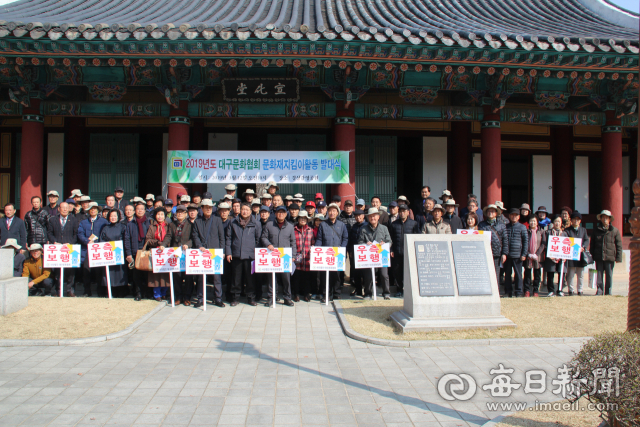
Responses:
[120,202]
[279,234]
[134,239]
[450,216]
[575,268]
[208,233]
[52,207]
[606,248]
[64,229]
[499,238]
[419,206]
[88,232]
[401,226]
[357,276]
[333,233]
[36,222]
[223,212]
[242,238]
[517,253]
[12,227]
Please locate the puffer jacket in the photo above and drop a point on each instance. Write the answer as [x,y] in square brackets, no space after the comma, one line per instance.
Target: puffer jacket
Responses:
[499,237]
[36,223]
[433,228]
[606,245]
[397,230]
[580,233]
[333,235]
[347,220]
[518,240]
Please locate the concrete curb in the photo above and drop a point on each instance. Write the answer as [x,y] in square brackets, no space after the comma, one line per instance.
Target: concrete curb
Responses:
[497,420]
[89,340]
[348,331]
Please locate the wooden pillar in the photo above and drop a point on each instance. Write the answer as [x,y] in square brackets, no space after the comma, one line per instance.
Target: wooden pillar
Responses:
[562,169]
[77,152]
[612,169]
[179,123]
[344,139]
[32,156]
[460,161]
[491,160]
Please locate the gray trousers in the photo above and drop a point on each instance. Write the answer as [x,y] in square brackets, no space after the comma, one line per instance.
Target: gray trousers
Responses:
[382,279]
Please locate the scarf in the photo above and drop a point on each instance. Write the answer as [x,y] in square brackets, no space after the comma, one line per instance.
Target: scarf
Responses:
[242,221]
[140,221]
[161,231]
[533,243]
[179,229]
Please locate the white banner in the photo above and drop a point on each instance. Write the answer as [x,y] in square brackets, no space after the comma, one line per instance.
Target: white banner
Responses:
[277,261]
[325,258]
[372,256]
[485,234]
[560,247]
[207,262]
[61,256]
[171,260]
[103,254]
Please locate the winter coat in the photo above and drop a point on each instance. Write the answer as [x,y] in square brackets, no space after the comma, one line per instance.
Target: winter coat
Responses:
[499,238]
[117,273]
[454,222]
[347,220]
[241,242]
[397,230]
[538,236]
[580,233]
[86,229]
[518,240]
[16,231]
[332,235]
[368,234]
[81,215]
[52,211]
[131,244]
[33,270]
[304,241]
[433,228]
[606,245]
[37,224]
[384,218]
[548,264]
[215,238]
[57,234]
[155,280]
[185,238]
[283,237]
[353,235]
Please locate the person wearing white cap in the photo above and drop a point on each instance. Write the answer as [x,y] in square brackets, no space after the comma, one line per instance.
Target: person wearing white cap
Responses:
[272,188]
[88,232]
[606,249]
[248,195]
[18,257]
[38,276]
[12,227]
[370,232]
[437,224]
[52,207]
[231,189]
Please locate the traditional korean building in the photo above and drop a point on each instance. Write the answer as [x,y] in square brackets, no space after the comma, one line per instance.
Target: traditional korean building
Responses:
[514,100]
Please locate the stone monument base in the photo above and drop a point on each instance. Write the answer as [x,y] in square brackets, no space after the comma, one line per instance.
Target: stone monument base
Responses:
[406,323]
[14,295]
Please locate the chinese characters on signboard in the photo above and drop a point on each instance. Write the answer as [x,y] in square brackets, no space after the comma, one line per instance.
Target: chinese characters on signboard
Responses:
[61,256]
[105,253]
[372,256]
[266,89]
[207,262]
[327,258]
[169,260]
[277,261]
[561,247]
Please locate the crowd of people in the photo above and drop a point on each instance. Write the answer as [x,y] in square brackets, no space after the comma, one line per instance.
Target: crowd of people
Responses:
[240,224]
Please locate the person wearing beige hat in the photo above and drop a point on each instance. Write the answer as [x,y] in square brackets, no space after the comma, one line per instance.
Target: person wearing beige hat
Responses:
[52,207]
[272,188]
[450,216]
[231,189]
[446,195]
[370,232]
[288,200]
[606,249]
[501,218]
[437,224]
[248,195]
[266,200]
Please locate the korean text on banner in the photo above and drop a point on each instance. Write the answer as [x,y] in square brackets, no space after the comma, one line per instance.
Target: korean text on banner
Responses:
[61,256]
[564,248]
[324,258]
[103,254]
[204,262]
[277,261]
[372,256]
[485,234]
[169,260]
[304,167]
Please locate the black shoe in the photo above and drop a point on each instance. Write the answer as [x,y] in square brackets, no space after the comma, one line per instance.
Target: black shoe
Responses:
[86,295]
[234,303]
[337,297]
[252,303]
[40,293]
[137,298]
[267,304]
[198,304]
[352,294]
[570,293]
[278,299]
[599,292]
[219,304]
[580,294]
[289,303]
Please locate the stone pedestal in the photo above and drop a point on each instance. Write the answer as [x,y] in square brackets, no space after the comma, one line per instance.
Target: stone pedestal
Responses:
[455,312]
[14,291]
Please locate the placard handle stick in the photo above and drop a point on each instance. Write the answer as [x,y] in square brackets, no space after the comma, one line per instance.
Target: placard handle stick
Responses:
[171,288]
[373,279]
[326,295]
[274,289]
[108,280]
[204,292]
[560,281]
[61,281]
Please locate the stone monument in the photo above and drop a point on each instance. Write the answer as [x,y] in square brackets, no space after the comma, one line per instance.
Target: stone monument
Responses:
[14,291]
[452,284]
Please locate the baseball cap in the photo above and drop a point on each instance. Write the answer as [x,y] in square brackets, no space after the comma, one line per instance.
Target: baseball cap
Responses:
[310,204]
[288,197]
[206,202]
[321,204]
[403,207]
[358,212]
[294,206]
[168,202]
[336,198]
[207,195]
[149,197]
[196,194]
[70,202]
[319,196]
[348,202]
[53,193]
[181,208]
[360,202]
[192,206]
[393,205]
[118,189]
[280,209]
[255,202]
[265,209]
[185,198]
[333,205]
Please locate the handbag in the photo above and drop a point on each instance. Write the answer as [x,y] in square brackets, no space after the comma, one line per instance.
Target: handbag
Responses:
[586,258]
[143,259]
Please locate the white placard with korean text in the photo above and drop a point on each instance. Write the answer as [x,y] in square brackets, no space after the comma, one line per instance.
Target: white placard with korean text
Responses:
[104,254]
[207,262]
[61,256]
[372,256]
[561,247]
[326,258]
[485,234]
[277,261]
[169,260]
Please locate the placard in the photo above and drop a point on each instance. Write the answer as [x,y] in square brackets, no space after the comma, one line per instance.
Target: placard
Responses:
[483,233]
[61,256]
[204,262]
[435,275]
[169,260]
[277,261]
[472,273]
[562,247]
[372,256]
[103,254]
[326,258]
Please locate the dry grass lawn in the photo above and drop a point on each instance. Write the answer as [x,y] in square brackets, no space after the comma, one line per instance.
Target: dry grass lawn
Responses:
[535,317]
[579,418]
[67,318]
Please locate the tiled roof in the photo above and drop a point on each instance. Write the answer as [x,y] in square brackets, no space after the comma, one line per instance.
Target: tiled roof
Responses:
[586,25]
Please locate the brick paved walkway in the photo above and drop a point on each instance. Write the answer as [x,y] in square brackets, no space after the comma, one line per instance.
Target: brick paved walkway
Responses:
[253,366]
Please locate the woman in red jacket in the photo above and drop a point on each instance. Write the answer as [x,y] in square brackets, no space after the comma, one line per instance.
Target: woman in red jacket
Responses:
[302,278]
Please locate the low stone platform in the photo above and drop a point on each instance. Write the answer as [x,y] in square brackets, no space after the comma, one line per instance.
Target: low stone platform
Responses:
[14,291]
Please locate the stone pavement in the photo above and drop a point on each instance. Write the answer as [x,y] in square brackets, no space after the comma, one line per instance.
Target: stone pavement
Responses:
[254,366]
